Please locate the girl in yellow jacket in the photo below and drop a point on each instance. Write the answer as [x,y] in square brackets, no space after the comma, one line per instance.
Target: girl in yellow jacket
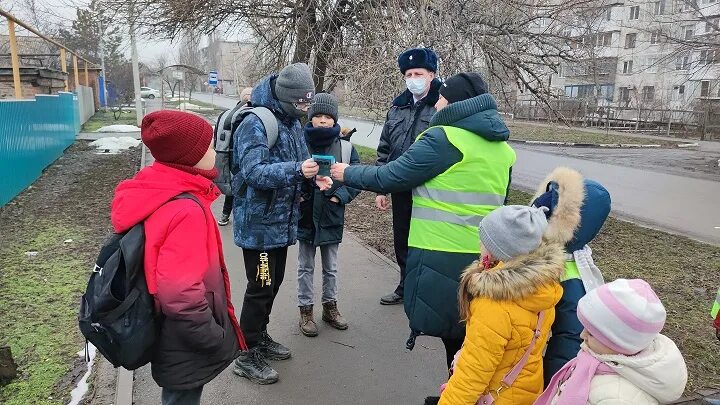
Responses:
[505,298]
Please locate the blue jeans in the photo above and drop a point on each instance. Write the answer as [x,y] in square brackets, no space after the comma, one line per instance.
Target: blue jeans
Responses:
[182,397]
[306,271]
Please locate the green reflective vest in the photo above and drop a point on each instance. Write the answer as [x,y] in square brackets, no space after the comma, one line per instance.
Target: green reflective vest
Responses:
[447,210]
[716,306]
[571,271]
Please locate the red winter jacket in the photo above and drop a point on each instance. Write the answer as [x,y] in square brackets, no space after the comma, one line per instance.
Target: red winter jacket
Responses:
[185,271]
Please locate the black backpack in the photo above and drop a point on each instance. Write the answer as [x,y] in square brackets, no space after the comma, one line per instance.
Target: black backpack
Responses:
[117,313]
[223,141]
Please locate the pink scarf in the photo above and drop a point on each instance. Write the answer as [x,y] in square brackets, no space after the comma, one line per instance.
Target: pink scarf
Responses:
[576,375]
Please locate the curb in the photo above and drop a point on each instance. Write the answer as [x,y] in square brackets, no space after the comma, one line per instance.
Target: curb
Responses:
[589,145]
[374,251]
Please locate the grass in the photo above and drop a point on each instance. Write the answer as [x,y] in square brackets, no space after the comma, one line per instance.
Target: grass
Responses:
[683,272]
[367,155]
[38,300]
[102,118]
[529,132]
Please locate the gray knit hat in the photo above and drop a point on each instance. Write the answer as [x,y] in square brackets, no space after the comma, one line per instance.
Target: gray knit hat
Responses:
[295,84]
[324,103]
[513,230]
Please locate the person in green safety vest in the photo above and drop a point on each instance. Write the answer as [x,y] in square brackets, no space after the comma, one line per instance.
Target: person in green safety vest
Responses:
[715,312]
[459,171]
[577,210]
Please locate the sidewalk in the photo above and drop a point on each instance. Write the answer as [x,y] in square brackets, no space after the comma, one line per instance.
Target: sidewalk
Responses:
[368,362]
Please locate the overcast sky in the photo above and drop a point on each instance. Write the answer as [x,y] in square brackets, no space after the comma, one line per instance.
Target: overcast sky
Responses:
[63,12]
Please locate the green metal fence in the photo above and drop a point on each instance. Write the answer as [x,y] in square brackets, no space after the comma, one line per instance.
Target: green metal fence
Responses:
[33,134]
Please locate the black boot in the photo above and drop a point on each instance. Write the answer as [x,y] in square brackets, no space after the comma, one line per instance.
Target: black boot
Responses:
[271,349]
[252,365]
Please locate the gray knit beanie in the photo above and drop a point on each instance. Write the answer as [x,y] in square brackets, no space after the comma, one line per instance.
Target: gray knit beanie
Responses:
[324,103]
[512,231]
[294,84]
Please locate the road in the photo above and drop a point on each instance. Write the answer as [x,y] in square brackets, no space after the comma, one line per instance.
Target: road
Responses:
[677,201]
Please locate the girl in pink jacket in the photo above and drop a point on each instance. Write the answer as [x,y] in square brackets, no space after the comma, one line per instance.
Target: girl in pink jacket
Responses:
[624,359]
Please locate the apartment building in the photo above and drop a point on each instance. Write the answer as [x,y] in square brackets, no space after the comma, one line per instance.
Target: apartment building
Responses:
[234,62]
[656,54]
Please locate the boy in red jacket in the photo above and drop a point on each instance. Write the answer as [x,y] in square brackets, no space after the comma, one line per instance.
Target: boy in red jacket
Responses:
[184,266]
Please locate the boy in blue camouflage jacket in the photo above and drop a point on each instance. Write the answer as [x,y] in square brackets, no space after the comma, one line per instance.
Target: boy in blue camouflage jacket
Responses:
[266,208]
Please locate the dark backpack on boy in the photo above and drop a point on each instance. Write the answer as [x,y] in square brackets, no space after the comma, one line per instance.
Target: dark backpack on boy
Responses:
[117,313]
[225,128]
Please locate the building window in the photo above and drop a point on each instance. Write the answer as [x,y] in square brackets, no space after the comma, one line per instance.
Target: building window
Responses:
[689,32]
[659,7]
[627,66]
[711,24]
[679,92]
[604,39]
[648,93]
[604,91]
[655,37]
[687,5]
[704,88]
[634,12]
[624,94]
[682,62]
[630,40]
[708,57]
[608,14]
[652,65]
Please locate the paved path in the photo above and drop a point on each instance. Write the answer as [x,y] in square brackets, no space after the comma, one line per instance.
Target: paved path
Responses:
[366,364]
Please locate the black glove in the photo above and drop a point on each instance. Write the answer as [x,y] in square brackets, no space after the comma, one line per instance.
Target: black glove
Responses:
[432,400]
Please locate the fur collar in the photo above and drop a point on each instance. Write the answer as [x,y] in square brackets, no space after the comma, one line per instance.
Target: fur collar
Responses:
[520,277]
[565,218]
[406,98]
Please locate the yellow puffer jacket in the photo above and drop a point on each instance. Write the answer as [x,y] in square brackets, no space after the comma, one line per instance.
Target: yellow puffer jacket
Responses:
[503,315]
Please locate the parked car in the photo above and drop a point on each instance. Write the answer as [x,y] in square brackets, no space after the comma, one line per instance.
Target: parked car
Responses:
[147,92]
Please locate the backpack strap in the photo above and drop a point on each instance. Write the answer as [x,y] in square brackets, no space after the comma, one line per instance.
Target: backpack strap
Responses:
[269,121]
[346,151]
[513,374]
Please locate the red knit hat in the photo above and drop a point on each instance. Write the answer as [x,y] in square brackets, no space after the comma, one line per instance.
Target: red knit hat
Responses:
[176,137]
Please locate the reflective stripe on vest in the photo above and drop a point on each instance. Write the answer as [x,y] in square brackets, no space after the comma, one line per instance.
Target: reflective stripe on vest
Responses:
[716,306]
[571,271]
[459,197]
[447,209]
[432,214]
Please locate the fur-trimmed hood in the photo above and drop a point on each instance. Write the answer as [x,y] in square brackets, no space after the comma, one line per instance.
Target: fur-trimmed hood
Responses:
[530,280]
[578,207]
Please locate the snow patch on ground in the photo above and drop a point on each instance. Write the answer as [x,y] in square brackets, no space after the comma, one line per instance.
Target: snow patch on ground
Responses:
[113,145]
[119,128]
[192,107]
[81,389]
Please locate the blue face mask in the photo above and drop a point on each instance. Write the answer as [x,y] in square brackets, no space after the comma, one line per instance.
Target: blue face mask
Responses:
[416,86]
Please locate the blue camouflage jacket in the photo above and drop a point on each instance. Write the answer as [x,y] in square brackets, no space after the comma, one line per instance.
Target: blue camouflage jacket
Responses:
[266,214]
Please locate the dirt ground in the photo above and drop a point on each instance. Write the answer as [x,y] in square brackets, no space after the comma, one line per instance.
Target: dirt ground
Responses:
[683,272]
[51,235]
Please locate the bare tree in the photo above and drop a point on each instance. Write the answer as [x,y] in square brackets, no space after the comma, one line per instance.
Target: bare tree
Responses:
[356,42]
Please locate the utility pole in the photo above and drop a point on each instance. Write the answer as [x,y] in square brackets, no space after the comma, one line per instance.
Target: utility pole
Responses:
[101,45]
[136,67]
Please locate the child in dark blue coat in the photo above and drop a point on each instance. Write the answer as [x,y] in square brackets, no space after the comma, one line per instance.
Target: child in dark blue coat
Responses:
[578,209]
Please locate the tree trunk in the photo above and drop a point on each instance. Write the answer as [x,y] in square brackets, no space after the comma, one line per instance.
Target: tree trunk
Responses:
[306,23]
[8,368]
[322,56]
